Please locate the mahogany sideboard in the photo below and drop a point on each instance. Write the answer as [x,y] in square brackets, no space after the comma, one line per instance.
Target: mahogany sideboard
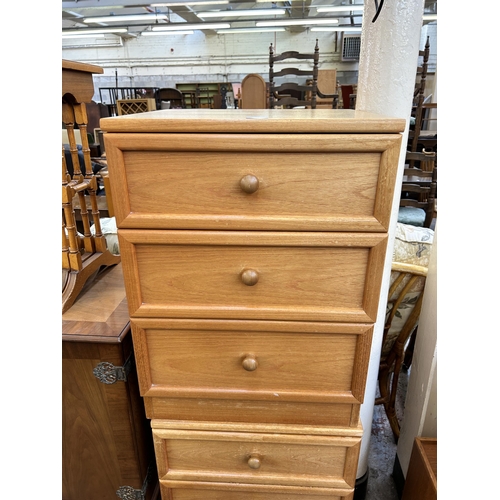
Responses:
[107,449]
[253,246]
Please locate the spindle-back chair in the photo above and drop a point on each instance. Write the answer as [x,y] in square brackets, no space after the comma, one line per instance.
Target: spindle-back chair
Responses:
[84,252]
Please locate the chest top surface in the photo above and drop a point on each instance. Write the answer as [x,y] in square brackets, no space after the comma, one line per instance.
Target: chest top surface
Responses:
[254,121]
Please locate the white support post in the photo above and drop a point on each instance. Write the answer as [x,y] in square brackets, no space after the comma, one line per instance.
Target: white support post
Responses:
[387,72]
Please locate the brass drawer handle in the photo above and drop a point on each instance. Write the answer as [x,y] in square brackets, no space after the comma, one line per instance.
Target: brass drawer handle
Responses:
[249,183]
[255,461]
[250,363]
[249,277]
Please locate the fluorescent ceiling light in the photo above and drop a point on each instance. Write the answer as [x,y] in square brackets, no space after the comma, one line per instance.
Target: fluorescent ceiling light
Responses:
[190,4]
[337,28]
[99,35]
[248,30]
[297,22]
[430,17]
[342,8]
[93,32]
[71,4]
[242,12]
[151,33]
[126,18]
[191,26]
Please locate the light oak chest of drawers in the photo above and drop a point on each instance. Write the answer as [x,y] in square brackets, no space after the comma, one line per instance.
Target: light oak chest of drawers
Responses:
[253,246]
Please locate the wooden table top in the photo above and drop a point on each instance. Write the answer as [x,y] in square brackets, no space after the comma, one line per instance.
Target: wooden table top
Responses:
[100,313]
[78,66]
[77,79]
[254,121]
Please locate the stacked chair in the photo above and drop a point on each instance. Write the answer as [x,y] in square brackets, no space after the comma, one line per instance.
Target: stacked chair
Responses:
[291,94]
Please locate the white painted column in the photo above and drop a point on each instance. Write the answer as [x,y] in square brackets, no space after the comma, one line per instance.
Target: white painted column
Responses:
[421,396]
[387,70]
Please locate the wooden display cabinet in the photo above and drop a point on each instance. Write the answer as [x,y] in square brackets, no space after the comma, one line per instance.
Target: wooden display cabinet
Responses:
[200,95]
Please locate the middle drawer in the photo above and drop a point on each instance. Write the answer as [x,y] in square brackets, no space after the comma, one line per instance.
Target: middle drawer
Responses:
[253,275]
[252,360]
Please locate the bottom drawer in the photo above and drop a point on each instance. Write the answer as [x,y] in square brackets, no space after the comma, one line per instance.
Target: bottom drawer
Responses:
[184,490]
[253,458]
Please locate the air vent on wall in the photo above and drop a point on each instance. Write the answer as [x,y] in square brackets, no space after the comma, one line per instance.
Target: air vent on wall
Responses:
[351,46]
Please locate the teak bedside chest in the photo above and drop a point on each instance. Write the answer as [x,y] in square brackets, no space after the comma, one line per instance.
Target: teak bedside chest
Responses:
[253,246]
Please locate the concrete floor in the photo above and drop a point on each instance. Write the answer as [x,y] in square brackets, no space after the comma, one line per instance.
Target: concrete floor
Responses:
[382,451]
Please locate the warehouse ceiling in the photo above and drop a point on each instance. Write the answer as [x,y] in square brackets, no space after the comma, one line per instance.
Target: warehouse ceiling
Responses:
[81,15]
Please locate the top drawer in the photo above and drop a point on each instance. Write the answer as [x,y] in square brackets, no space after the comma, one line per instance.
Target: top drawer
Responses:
[301,182]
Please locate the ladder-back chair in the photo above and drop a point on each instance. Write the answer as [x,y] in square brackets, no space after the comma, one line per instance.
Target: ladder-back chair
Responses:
[83,255]
[419,107]
[419,189]
[292,94]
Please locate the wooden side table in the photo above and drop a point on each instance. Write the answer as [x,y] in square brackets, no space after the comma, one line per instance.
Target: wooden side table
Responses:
[107,449]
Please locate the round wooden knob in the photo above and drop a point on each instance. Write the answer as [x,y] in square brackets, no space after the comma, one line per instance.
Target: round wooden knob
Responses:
[249,277]
[249,183]
[254,462]
[250,363]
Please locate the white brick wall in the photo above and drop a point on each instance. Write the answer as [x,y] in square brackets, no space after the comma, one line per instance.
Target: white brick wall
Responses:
[164,61]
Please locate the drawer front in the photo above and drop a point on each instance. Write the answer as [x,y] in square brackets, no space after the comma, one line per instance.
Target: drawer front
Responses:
[187,490]
[245,275]
[242,360]
[247,411]
[246,457]
[327,182]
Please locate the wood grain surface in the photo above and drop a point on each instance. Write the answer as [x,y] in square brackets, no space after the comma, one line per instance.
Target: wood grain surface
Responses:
[296,460]
[303,362]
[253,246]
[252,121]
[320,276]
[318,182]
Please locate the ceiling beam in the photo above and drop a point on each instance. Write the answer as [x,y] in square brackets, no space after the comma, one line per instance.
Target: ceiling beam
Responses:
[298,10]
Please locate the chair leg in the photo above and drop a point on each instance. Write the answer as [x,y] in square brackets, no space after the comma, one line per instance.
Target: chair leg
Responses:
[383,384]
[409,350]
[388,380]
[390,404]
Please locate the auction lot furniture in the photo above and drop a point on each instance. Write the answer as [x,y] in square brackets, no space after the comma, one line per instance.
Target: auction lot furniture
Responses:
[107,449]
[83,253]
[253,246]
